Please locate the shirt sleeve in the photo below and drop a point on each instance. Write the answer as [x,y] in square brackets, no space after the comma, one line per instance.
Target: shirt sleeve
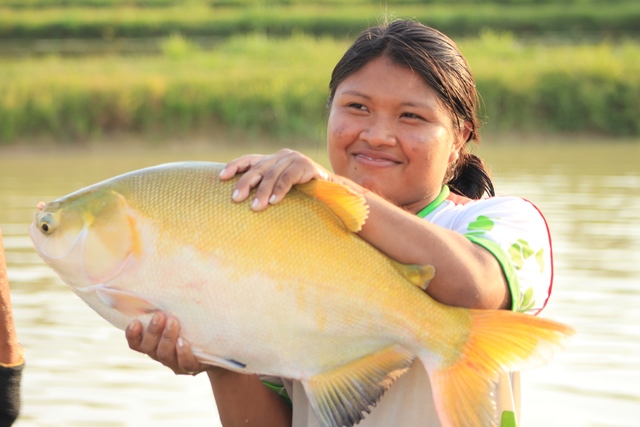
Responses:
[10,378]
[516,233]
[277,385]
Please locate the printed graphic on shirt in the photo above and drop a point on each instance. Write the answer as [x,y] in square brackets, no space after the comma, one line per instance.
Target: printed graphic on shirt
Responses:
[513,230]
[518,254]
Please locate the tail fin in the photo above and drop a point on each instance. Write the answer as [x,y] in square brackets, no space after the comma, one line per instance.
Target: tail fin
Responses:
[500,341]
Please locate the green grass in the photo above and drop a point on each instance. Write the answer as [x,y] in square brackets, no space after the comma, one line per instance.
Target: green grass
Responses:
[260,85]
[39,4]
[342,19]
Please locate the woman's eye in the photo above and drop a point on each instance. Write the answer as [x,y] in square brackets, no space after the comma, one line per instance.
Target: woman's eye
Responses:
[412,116]
[357,106]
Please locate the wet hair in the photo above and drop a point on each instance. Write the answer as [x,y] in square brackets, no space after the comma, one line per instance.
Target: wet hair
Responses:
[436,58]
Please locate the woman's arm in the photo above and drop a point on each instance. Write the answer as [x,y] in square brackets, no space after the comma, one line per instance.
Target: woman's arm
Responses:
[467,275]
[10,350]
[242,400]
[11,360]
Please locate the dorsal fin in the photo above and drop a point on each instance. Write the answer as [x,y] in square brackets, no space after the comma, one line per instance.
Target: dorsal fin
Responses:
[348,205]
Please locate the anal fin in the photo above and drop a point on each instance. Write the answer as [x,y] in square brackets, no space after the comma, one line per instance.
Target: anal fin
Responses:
[339,397]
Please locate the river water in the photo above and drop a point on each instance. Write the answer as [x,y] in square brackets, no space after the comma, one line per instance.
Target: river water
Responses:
[80,371]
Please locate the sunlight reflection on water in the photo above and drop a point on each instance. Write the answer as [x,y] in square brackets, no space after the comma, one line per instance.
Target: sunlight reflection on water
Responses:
[80,371]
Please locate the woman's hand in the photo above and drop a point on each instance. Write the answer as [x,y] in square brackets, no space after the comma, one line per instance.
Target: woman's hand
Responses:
[161,341]
[272,176]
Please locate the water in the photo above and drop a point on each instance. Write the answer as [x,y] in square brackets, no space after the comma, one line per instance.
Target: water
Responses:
[80,371]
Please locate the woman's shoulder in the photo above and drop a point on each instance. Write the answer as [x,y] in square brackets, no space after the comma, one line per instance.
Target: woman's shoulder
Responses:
[516,232]
[457,209]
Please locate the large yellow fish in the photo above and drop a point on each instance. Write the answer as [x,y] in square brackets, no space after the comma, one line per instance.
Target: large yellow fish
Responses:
[291,291]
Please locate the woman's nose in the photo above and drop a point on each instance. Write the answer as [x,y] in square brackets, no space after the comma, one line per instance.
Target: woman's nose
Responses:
[379,133]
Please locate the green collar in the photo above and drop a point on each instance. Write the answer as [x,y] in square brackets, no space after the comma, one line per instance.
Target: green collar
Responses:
[436,202]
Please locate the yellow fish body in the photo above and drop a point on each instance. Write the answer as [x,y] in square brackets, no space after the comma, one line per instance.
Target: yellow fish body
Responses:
[291,291]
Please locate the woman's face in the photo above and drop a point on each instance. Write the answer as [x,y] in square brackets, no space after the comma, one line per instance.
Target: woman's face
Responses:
[389,132]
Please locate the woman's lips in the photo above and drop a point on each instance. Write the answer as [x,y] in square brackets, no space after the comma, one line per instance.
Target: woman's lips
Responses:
[375,159]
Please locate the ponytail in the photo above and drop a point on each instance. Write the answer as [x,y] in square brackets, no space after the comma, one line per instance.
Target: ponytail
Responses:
[471,177]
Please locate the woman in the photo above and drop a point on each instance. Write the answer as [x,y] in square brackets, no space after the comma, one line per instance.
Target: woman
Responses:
[401,111]
[11,360]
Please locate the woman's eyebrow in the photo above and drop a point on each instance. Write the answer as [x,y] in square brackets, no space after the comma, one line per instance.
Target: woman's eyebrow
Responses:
[422,105]
[413,104]
[355,93]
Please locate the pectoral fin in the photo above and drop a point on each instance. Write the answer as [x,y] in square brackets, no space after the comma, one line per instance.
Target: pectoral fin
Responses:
[419,275]
[125,302]
[340,397]
[348,205]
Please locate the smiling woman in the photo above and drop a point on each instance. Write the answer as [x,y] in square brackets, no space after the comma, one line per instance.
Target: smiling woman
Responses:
[402,110]
[396,125]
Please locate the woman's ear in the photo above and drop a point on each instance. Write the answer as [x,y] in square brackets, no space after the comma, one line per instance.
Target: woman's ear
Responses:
[465,132]
[460,140]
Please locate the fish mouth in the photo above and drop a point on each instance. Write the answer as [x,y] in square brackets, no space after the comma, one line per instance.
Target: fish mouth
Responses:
[61,256]
[53,248]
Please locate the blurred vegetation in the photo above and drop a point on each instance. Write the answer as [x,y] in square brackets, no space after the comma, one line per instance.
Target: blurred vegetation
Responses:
[262,85]
[244,3]
[577,18]
[261,67]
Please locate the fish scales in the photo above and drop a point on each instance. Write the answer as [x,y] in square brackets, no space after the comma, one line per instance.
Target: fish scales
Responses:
[290,291]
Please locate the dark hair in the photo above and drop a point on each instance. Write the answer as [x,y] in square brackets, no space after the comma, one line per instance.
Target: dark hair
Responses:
[437,59]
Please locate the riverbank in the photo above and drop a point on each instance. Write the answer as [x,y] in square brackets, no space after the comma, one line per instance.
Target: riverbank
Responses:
[215,141]
[263,86]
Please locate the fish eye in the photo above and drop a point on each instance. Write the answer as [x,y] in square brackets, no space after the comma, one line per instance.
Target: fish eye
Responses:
[46,224]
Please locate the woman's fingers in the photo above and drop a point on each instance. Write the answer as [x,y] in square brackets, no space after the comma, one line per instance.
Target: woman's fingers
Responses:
[152,335]
[133,333]
[161,341]
[186,359]
[239,165]
[166,350]
[272,176]
[277,179]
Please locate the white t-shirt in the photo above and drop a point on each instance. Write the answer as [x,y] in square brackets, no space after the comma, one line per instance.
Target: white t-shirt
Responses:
[512,229]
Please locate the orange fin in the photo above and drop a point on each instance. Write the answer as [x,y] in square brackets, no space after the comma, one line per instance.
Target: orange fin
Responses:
[348,205]
[419,275]
[500,341]
[339,397]
[125,302]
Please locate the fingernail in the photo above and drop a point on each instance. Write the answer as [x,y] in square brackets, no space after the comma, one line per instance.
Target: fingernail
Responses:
[171,324]
[255,203]
[235,195]
[272,199]
[222,171]
[155,319]
[180,342]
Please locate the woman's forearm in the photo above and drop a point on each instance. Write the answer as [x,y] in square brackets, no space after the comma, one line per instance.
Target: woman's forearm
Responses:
[467,275]
[10,351]
[243,400]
